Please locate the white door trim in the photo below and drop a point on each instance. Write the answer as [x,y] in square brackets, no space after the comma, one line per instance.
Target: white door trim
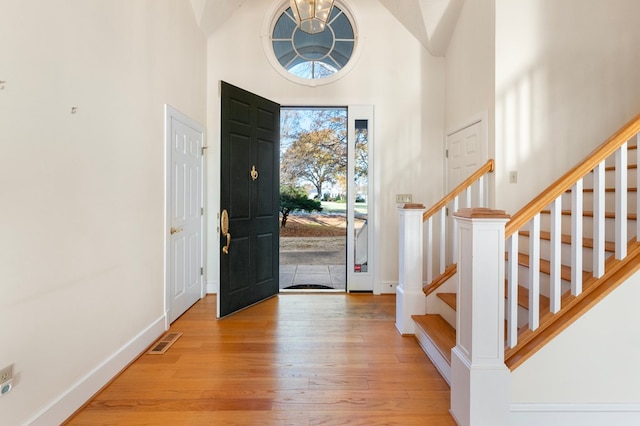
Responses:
[170,113]
[362,281]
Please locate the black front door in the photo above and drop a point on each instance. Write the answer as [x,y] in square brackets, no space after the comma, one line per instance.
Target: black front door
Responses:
[249,197]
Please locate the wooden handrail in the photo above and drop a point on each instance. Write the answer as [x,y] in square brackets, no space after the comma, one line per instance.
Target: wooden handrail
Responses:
[560,186]
[489,166]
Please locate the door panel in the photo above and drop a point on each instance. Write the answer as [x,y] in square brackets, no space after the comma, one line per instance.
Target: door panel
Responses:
[466,154]
[185,248]
[249,191]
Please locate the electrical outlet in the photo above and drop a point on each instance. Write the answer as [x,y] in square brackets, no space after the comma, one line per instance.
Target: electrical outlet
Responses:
[6,374]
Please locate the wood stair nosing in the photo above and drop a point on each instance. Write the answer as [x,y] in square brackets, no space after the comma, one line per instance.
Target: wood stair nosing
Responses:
[607,215]
[590,190]
[566,239]
[442,335]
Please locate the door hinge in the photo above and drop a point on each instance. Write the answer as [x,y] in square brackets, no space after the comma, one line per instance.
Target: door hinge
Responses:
[201,270]
[201,211]
[204,148]
[446,153]
[446,211]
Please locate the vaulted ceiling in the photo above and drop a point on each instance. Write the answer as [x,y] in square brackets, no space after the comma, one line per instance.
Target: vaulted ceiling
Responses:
[431,22]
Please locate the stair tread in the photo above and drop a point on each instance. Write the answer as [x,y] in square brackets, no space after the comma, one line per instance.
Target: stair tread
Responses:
[545,267]
[439,331]
[566,239]
[448,298]
[523,299]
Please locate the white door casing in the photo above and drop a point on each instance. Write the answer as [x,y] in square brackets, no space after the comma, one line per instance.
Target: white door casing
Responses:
[184,217]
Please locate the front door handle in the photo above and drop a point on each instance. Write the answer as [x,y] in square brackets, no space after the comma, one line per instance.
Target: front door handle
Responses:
[175,230]
[224,230]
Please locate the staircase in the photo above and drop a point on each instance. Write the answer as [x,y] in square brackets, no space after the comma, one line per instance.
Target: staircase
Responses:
[565,251]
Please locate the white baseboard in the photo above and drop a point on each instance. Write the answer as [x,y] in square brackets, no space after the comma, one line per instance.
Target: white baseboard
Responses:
[575,414]
[212,286]
[80,392]
[385,287]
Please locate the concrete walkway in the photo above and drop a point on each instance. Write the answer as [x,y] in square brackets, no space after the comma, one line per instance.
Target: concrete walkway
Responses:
[313,277]
[313,263]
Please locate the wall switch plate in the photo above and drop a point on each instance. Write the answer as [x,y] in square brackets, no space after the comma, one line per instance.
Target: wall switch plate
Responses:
[513,176]
[403,198]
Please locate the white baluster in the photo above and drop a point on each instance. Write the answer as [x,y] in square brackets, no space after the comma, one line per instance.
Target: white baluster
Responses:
[512,291]
[556,255]
[598,220]
[482,202]
[576,237]
[454,208]
[621,202]
[468,197]
[429,249]
[534,272]
[443,239]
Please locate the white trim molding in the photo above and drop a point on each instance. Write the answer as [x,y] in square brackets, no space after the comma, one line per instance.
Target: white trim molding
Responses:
[212,286]
[575,414]
[60,409]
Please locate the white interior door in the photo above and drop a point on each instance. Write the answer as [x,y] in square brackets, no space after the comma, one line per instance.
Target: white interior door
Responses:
[466,152]
[185,213]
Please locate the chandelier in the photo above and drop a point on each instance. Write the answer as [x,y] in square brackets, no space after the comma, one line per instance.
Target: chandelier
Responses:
[311,15]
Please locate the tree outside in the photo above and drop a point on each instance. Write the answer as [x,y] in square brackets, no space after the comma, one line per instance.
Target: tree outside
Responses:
[293,199]
[314,149]
[313,169]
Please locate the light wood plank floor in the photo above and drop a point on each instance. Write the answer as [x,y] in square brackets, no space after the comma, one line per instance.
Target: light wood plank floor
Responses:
[296,359]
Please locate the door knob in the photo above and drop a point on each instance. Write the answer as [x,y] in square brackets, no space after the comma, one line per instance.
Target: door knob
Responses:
[224,230]
[175,230]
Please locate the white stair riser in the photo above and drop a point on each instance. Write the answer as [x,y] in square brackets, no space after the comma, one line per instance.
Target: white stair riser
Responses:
[587,226]
[609,202]
[565,258]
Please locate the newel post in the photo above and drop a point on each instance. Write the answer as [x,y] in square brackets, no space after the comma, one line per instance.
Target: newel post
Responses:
[409,296]
[480,381]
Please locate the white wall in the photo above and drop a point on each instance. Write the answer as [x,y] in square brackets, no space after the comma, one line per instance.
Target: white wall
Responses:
[594,361]
[566,79]
[470,67]
[81,252]
[394,73]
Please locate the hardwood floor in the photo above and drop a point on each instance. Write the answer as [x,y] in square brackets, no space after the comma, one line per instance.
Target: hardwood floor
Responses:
[296,359]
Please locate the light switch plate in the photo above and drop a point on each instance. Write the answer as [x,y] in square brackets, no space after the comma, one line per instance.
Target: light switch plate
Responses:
[403,198]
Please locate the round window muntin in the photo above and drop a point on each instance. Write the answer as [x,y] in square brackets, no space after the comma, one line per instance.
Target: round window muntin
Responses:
[268,44]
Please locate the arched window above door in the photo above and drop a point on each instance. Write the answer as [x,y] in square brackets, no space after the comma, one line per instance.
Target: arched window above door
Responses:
[312,59]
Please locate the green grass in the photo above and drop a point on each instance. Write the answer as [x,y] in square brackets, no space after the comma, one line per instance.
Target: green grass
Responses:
[341,207]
